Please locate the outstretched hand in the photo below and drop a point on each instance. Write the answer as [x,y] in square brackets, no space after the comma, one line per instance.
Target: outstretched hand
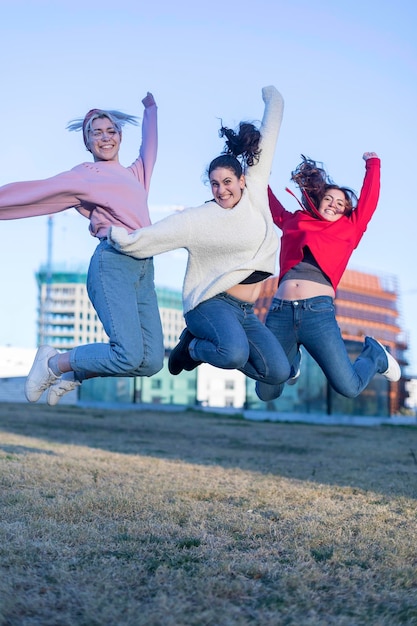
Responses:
[268,92]
[148,100]
[116,236]
[120,239]
[369,155]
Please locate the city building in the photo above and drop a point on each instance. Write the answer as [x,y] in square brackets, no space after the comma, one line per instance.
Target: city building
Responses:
[366,304]
[66,317]
[220,388]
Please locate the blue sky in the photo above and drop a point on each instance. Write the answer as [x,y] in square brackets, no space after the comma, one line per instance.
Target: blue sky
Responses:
[347,71]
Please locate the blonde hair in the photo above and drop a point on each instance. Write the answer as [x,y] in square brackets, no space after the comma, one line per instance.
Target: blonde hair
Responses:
[117,118]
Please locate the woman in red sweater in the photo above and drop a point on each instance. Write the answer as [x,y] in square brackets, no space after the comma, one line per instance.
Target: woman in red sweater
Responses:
[316,244]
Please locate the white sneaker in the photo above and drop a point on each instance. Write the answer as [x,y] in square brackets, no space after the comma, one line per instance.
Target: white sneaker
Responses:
[59,389]
[40,376]
[294,379]
[393,371]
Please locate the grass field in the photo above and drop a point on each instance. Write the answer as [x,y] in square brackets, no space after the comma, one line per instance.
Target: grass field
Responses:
[129,518]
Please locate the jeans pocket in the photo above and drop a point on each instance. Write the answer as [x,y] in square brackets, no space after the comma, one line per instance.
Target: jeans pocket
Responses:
[321,307]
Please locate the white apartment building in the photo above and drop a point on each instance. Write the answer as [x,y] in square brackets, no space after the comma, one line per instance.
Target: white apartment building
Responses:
[66,319]
[220,388]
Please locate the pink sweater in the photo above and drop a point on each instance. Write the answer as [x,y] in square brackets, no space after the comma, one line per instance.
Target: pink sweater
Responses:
[104,192]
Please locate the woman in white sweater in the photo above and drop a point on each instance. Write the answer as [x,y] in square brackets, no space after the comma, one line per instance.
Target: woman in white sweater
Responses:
[232,244]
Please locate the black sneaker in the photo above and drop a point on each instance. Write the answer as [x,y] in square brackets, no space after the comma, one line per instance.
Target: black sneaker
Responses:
[180,357]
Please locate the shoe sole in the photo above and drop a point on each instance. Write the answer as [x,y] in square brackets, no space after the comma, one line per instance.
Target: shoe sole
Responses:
[53,397]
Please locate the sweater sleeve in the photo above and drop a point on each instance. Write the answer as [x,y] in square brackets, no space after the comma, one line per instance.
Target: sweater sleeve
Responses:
[276,208]
[143,167]
[368,197]
[168,234]
[270,127]
[41,197]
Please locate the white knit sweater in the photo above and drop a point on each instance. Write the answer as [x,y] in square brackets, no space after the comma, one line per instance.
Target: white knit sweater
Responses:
[224,245]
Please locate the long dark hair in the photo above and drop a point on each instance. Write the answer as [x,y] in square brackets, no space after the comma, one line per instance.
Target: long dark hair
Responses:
[243,144]
[314,182]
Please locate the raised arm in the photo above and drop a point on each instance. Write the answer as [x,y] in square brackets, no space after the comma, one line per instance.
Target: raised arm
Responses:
[148,100]
[369,195]
[270,127]
[277,210]
[144,164]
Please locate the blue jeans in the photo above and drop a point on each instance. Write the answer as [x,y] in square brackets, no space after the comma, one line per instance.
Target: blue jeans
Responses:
[312,323]
[122,292]
[229,335]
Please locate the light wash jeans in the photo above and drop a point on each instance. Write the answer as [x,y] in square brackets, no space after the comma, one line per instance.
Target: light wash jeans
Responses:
[122,292]
[229,335]
[312,323]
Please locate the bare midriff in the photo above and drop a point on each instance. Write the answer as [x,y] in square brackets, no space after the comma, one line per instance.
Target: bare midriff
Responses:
[302,289]
[247,293]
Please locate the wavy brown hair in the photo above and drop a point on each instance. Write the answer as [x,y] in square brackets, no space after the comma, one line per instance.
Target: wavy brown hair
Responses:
[314,182]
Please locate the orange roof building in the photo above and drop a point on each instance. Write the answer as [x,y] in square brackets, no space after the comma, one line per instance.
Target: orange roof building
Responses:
[366,304]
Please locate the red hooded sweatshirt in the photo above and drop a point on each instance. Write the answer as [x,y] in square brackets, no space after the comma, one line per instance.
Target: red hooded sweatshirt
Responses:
[331,243]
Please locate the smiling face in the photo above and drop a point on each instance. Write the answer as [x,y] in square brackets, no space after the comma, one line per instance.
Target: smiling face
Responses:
[226,187]
[104,140]
[333,205]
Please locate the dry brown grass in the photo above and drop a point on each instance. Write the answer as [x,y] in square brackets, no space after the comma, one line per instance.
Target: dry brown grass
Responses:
[129,518]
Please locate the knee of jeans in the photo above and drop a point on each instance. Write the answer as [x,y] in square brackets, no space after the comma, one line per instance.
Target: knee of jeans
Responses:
[234,358]
[279,372]
[268,392]
[127,362]
[346,390]
[152,366]
[143,364]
